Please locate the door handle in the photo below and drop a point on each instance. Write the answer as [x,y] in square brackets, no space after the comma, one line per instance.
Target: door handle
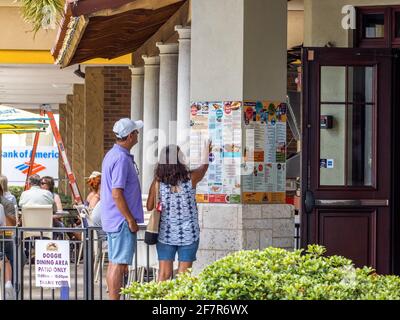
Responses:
[309,201]
[352,203]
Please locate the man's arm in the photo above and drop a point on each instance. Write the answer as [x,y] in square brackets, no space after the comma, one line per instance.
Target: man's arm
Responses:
[120,201]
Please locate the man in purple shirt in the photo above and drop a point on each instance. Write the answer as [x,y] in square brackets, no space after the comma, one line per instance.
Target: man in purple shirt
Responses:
[121,203]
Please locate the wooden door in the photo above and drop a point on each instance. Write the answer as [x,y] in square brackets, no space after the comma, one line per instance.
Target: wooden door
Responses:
[347,154]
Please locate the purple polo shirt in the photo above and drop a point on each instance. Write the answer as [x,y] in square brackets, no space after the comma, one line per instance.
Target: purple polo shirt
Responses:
[119,173]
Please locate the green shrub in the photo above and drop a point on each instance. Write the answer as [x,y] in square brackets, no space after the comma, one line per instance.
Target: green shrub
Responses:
[16,191]
[66,200]
[275,274]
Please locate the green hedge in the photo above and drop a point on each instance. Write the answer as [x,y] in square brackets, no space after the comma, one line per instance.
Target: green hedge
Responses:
[275,274]
[16,191]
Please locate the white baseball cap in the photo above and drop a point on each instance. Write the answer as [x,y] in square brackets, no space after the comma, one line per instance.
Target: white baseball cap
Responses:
[95,174]
[122,128]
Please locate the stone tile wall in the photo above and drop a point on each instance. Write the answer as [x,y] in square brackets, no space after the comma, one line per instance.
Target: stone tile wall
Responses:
[229,228]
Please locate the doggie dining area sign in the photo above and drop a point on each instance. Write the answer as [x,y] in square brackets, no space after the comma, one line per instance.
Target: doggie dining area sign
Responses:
[52,266]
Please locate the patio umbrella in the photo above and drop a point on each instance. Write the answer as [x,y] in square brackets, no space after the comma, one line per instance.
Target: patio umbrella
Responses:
[16,121]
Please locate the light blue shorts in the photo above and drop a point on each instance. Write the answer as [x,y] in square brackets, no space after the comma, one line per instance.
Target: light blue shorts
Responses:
[168,252]
[121,245]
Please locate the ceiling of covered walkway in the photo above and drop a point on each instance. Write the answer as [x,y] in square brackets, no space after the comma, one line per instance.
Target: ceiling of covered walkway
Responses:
[29,86]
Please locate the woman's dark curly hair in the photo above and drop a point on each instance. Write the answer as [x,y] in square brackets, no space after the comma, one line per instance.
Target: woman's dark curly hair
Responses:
[170,169]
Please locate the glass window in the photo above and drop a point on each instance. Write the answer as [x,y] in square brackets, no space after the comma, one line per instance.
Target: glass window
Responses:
[374,25]
[332,147]
[397,24]
[346,129]
[359,145]
[334,88]
[360,84]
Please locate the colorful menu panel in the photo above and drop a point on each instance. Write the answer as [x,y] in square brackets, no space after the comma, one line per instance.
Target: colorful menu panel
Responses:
[248,158]
[220,122]
[264,168]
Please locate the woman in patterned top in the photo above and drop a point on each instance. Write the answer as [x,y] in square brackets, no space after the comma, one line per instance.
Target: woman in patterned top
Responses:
[179,225]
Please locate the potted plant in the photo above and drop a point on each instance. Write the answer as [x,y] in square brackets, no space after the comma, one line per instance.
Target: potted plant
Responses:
[42,14]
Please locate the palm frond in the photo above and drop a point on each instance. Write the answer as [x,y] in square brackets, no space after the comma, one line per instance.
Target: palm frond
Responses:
[42,14]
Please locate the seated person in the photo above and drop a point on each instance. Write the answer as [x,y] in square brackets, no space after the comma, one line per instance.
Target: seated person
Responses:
[94,182]
[10,221]
[35,195]
[9,290]
[47,183]
[93,197]
[38,196]
[7,194]
[9,209]
[95,221]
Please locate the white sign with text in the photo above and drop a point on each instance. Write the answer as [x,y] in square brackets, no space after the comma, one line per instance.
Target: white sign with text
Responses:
[15,163]
[52,266]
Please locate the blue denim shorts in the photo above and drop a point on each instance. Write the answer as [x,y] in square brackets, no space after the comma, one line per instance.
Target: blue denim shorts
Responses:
[167,252]
[121,245]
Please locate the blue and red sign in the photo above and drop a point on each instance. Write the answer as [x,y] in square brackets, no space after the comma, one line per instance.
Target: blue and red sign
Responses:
[25,167]
[16,160]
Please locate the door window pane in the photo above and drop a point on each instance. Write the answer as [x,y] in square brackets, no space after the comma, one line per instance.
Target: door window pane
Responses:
[397,24]
[359,145]
[346,127]
[332,146]
[361,84]
[338,166]
[374,25]
[333,84]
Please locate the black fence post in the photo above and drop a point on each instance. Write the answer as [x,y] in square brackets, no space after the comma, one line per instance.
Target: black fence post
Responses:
[3,264]
[18,259]
[85,236]
[15,244]
[89,264]
[297,236]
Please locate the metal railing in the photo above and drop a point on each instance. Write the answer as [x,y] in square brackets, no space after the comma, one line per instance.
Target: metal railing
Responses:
[87,259]
[297,236]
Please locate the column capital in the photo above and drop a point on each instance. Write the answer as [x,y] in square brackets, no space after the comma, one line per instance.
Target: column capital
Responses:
[137,71]
[168,48]
[151,61]
[185,33]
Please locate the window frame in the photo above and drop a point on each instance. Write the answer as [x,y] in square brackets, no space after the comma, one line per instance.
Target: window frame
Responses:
[389,40]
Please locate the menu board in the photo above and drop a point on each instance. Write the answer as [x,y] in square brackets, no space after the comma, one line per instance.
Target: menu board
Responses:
[264,167]
[221,122]
[248,158]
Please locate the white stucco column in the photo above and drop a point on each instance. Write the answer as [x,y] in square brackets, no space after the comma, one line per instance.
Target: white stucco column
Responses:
[244,60]
[137,112]
[183,111]
[168,93]
[240,57]
[150,118]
